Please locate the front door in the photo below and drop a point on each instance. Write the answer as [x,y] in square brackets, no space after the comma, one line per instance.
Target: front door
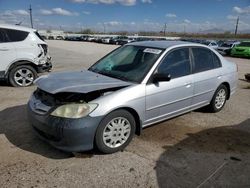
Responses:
[167,99]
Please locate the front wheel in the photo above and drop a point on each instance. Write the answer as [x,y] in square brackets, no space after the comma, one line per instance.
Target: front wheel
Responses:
[22,76]
[115,131]
[219,99]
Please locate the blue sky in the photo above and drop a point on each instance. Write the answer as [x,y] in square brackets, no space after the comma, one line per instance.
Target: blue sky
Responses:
[131,15]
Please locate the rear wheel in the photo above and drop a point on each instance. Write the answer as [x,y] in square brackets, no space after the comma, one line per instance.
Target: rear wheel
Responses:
[219,99]
[115,131]
[22,76]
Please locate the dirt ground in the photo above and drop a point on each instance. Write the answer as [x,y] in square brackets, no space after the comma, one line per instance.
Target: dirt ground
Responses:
[197,149]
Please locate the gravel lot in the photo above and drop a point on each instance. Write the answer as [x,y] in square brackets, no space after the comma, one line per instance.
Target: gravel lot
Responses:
[194,150]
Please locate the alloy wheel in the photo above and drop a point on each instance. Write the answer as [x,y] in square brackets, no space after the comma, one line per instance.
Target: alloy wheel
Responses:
[24,77]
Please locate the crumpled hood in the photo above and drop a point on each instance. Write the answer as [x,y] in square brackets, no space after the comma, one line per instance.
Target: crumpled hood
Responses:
[78,81]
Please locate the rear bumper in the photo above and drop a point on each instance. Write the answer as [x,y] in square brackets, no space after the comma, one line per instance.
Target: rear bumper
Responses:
[45,67]
[71,135]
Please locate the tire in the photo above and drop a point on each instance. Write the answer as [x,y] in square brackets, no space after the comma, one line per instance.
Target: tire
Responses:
[109,138]
[219,99]
[22,76]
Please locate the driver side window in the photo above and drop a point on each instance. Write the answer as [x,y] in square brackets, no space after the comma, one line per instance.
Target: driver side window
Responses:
[176,63]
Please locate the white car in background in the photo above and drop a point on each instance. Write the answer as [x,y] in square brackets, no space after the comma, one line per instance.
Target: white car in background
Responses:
[23,54]
[211,43]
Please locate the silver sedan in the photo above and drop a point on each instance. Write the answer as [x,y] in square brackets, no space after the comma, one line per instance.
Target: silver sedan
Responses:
[134,86]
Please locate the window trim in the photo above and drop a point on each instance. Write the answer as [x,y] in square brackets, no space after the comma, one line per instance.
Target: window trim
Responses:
[8,38]
[150,80]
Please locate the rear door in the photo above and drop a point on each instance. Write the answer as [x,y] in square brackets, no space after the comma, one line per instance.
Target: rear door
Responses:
[24,48]
[207,75]
[168,99]
[7,51]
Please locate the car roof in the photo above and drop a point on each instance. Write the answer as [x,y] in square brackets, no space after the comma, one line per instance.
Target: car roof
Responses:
[163,44]
[17,27]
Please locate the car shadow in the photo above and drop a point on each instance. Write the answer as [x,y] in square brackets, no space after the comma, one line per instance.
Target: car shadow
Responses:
[15,126]
[217,157]
[4,83]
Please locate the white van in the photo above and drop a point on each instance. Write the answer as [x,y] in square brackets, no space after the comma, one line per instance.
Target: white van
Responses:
[23,54]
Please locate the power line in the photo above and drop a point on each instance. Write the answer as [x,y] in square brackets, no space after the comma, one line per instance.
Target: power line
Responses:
[31,20]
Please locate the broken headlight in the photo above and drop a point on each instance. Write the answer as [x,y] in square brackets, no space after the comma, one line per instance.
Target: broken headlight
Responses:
[74,111]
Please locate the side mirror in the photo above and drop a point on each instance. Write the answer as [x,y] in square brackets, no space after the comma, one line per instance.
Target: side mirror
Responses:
[158,77]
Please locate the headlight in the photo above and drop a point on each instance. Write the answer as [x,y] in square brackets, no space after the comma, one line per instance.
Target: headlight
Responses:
[74,110]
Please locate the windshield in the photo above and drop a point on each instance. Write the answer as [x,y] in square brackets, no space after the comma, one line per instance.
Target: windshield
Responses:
[128,63]
[244,44]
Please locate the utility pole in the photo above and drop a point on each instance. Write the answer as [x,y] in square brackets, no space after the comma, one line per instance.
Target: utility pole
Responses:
[165,28]
[236,27]
[31,20]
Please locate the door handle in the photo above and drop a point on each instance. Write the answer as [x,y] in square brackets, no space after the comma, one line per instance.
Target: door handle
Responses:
[219,77]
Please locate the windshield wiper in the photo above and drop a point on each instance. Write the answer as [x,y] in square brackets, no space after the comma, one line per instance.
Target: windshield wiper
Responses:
[123,78]
[108,73]
[104,72]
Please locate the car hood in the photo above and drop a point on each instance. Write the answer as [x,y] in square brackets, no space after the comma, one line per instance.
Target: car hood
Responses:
[241,47]
[78,82]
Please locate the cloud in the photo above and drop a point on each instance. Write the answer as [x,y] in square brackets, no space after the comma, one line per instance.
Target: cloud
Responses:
[129,26]
[146,1]
[46,12]
[58,11]
[239,10]
[78,1]
[231,17]
[187,21]
[170,15]
[122,2]
[86,12]
[20,12]
[14,16]
[113,23]
[127,2]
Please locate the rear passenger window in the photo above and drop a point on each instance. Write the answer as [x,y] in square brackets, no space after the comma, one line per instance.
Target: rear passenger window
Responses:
[216,59]
[203,59]
[2,36]
[15,35]
[176,63]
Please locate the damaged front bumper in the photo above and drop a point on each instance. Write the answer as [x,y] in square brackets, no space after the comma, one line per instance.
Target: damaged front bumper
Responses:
[72,135]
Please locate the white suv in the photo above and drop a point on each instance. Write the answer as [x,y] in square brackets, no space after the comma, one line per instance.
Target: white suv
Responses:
[23,54]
